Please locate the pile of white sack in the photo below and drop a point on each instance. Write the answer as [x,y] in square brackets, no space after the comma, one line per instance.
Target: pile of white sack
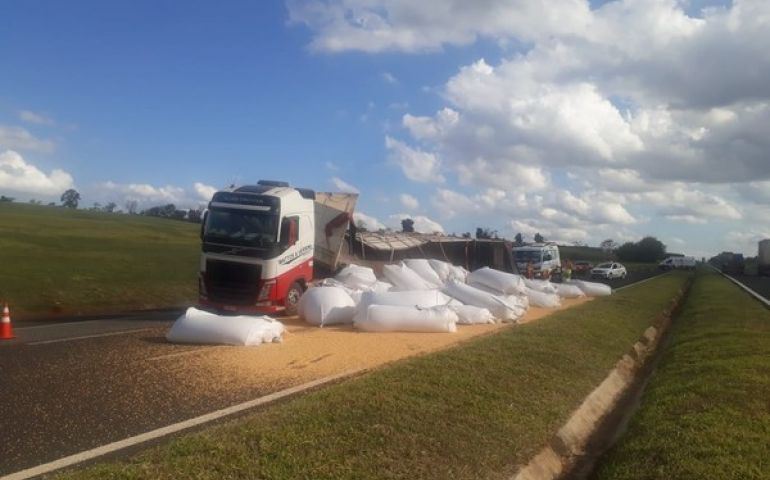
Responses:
[419,295]
[198,326]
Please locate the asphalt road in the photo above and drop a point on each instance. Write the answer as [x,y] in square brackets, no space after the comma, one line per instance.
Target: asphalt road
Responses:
[633,276]
[761,285]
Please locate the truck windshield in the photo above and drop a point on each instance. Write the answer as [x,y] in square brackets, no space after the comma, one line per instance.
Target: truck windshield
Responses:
[528,255]
[241,227]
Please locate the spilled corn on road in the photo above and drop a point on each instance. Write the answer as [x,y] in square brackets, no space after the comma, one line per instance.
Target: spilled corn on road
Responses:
[60,396]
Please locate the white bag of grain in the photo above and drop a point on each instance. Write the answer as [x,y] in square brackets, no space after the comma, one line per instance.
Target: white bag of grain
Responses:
[416,298]
[326,306]
[396,318]
[404,278]
[472,315]
[356,277]
[503,282]
[502,308]
[542,299]
[593,289]
[540,285]
[422,268]
[567,290]
[198,326]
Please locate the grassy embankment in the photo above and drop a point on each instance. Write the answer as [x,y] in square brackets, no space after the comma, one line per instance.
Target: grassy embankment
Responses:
[706,411]
[56,260]
[474,411]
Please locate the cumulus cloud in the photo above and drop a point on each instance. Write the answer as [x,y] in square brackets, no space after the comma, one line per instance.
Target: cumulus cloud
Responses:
[19,138]
[422,224]
[145,193]
[408,201]
[205,192]
[343,186]
[417,165]
[18,175]
[370,223]
[35,118]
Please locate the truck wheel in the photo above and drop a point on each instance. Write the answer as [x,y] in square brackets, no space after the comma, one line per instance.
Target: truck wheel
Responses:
[292,298]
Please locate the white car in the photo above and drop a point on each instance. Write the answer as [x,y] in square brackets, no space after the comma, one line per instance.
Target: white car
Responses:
[609,270]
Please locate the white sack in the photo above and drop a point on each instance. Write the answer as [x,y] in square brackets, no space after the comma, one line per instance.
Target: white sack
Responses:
[404,278]
[566,290]
[356,277]
[593,289]
[446,271]
[540,285]
[326,306]
[416,298]
[381,287]
[503,282]
[198,326]
[471,315]
[501,308]
[422,267]
[395,318]
[542,299]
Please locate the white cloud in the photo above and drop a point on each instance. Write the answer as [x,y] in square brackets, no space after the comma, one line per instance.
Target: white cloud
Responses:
[408,201]
[145,193]
[19,138]
[17,175]
[422,224]
[36,118]
[371,223]
[417,165]
[343,186]
[205,192]
[388,77]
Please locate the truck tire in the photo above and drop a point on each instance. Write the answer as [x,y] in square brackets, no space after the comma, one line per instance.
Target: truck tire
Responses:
[292,298]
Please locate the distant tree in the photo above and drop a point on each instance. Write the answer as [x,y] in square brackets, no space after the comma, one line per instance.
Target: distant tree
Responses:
[467,235]
[164,211]
[407,225]
[539,238]
[361,226]
[131,206]
[179,214]
[485,233]
[195,215]
[32,201]
[110,207]
[5,199]
[70,198]
[51,204]
[647,250]
[97,207]
[519,239]
[608,246]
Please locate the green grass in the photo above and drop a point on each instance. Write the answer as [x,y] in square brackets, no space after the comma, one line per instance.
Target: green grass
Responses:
[474,411]
[56,260]
[706,411]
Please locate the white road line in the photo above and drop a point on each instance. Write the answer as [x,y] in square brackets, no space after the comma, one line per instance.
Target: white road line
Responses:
[168,430]
[97,335]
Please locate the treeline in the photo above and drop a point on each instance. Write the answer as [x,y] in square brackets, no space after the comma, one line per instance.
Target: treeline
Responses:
[646,250]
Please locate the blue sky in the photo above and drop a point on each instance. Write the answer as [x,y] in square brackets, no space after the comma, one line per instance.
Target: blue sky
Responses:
[155,97]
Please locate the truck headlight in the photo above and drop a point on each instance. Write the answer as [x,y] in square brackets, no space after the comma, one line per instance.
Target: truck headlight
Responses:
[266,290]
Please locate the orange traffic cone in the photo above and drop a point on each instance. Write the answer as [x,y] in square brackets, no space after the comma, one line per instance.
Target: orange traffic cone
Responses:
[6,332]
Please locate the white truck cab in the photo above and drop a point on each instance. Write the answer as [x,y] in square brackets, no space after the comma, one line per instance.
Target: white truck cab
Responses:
[260,242]
[544,257]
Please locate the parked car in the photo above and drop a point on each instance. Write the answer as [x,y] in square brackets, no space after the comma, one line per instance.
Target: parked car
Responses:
[609,270]
[582,266]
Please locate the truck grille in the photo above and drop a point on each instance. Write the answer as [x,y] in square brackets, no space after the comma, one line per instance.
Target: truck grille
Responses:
[232,283]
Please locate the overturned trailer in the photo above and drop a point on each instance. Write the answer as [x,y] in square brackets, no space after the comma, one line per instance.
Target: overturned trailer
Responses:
[376,249]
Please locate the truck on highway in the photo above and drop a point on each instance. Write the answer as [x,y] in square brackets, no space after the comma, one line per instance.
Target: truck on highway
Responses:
[671,263]
[763,257]
[544,257]
[262,244]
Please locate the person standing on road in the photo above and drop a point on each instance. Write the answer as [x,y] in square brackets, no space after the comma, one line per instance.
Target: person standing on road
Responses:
[530,270]
[567,271]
